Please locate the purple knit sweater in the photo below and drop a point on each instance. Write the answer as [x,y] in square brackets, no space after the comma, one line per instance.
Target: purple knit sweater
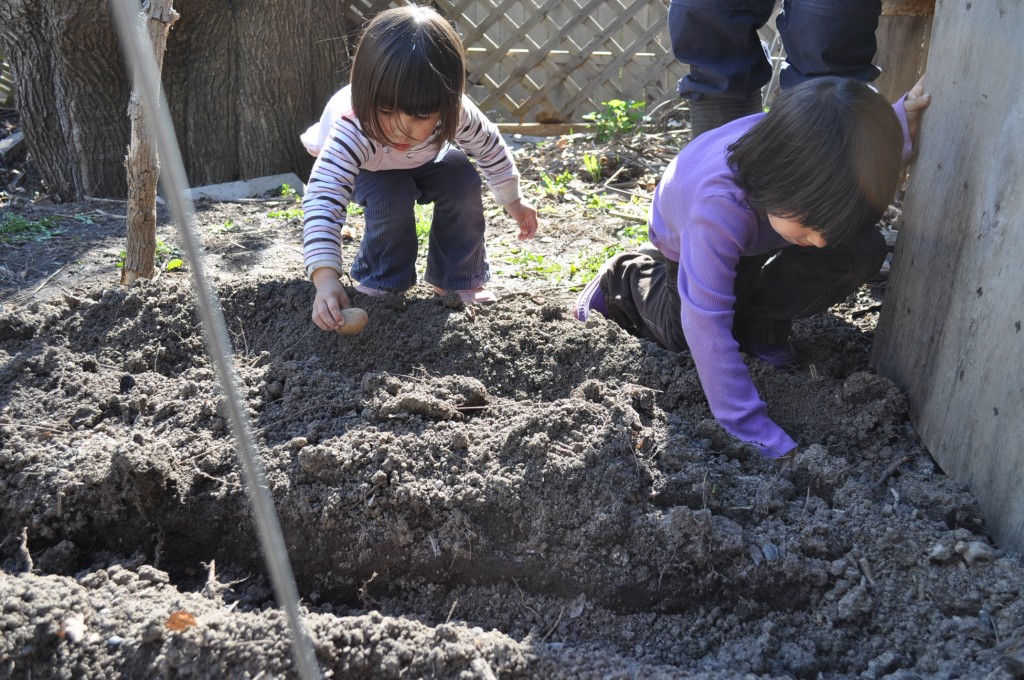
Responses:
[701,218]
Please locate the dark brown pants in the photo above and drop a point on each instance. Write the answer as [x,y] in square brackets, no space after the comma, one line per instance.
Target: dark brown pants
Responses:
[771,290]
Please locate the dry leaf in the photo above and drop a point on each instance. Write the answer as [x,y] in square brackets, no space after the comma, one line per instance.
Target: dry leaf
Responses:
[179,621]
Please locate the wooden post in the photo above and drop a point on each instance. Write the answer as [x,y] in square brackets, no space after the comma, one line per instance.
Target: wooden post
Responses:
[951,330]
[142,163]
[903,32]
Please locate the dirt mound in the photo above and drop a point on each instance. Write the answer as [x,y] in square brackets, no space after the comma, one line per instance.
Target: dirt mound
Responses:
[469,492]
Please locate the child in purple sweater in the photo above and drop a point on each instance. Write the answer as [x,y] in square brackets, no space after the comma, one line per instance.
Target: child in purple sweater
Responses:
[763,220]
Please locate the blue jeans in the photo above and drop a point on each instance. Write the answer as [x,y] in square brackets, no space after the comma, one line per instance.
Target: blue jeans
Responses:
[456,259]
[718,39]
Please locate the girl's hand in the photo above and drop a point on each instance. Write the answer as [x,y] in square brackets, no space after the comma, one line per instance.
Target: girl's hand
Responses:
[330,299]
[525,216]
[916,101]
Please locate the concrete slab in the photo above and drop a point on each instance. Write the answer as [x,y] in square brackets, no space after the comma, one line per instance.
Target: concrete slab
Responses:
[259,187]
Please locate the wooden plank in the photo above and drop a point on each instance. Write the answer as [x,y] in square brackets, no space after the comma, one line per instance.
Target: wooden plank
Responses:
[542,129]
[952,326]
[902,53]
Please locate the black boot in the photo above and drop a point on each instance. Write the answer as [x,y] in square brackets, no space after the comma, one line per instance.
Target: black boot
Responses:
[707,113]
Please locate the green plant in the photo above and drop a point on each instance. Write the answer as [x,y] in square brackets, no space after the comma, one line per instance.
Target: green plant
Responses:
[586,265]
[288,192]
[166,257]
[599,202]
[227,225]
[616,118]
[289,214]
[424,215]
[556,185]
[530,264]
[593,166]
[15,228]
[635,234]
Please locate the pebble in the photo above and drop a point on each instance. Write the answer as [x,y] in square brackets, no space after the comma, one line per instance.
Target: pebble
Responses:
[975,551]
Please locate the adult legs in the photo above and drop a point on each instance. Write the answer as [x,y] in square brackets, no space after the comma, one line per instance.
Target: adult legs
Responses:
[387,255]
[728,66]
[456,257]
[718,40]
[829,38]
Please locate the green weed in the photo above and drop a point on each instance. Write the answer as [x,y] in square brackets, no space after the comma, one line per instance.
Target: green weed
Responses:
[226,226]
[599,202]
[556,185]
[529,264]
[166,257]
[424,215]
[288,192]
[289,214]
[15,228]
[593,166]
[618,117]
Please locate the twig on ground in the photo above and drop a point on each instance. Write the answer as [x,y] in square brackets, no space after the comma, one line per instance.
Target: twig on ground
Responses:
[891,470]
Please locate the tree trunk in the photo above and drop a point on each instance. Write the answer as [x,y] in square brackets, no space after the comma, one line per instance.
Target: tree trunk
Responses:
[142,164]
[243,80]
[69,86]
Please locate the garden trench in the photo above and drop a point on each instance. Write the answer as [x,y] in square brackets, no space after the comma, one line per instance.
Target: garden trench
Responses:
[493,491]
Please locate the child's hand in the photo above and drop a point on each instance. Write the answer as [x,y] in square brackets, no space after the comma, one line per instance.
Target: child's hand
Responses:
[916,101]
[330,299]
[525,216]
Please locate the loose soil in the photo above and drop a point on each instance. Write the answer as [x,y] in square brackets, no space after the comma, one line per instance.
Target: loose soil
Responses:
[465,492]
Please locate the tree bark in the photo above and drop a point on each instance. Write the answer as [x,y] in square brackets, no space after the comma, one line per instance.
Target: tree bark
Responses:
[66,93]
[143,164]
[243,80]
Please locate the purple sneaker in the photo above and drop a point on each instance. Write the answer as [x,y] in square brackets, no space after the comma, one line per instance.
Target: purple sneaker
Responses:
[782,357]
[590,300]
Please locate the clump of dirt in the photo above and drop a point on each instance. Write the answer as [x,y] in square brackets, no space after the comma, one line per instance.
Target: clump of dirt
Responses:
[465,491]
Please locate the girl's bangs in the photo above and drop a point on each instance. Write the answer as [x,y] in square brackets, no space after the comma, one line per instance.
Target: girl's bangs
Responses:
[415,87]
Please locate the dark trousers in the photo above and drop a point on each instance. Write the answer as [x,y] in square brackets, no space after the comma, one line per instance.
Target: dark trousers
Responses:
[718,39]
[456,259]
[771,290]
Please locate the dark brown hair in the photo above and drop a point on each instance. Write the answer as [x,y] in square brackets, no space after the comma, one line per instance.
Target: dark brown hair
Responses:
[409,59]
[827,154]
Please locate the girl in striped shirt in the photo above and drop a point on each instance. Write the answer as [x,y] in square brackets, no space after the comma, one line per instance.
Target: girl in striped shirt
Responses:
[399,134]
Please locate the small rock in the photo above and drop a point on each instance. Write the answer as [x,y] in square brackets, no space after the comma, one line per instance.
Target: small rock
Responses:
[941,553]
[974,551]
[152,633]
[73,628]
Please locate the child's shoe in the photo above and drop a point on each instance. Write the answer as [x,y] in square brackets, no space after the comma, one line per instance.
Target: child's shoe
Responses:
[372,292]
[480,296]
[590,299]
[782,357]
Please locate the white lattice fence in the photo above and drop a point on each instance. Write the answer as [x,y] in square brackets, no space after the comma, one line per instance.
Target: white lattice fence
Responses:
[556,60]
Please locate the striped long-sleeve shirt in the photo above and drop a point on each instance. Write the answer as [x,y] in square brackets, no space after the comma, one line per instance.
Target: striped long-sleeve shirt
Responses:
[342,150]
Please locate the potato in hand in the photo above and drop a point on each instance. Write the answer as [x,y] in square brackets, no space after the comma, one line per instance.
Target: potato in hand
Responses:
[355,321]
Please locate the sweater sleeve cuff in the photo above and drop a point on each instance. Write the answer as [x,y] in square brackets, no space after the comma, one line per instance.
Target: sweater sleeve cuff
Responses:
[333,264]
[506,192]
[778,447]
